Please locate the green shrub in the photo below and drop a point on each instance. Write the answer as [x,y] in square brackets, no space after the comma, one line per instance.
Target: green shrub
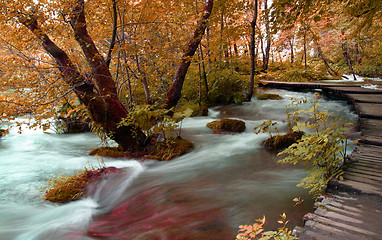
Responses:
[227,86]
[371,70]
[302,75]
[323,150]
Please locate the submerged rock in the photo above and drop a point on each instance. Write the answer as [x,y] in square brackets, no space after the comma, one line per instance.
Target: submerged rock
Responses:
[167,150]
[227,125]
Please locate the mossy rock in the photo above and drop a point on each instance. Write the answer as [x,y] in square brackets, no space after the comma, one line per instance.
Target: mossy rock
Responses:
[113,152]
[169,149]
[200,111]
[190,110]
[283,141]
[65,189]
[268,96]
[161,150]
[72,125]
[227,125]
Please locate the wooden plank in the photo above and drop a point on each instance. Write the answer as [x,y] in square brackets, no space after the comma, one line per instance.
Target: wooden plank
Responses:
[370,110]
[368,98]
[352,90]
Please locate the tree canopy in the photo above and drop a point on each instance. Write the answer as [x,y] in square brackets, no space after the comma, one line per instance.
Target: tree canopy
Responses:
[104,57]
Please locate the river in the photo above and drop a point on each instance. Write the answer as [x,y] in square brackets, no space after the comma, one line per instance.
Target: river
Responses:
[226,181]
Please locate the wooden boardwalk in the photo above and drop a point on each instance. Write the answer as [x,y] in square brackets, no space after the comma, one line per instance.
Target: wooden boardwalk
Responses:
[352,209]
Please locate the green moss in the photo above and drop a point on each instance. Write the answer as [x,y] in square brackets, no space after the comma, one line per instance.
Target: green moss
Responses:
[190,110]
[114,152]
[200,111]
[162,150]
[283,141]
[167,150]
[227,125]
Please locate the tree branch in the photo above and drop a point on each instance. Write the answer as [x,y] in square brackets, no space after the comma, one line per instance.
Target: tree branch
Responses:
[114,34]
[174,93]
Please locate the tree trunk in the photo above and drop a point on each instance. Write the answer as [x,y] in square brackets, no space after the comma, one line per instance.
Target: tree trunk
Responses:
[305,54]
[99,93]
[114,34]
[345,53]
[174,93]
[291,41]
[252,55]
[268,38]
[202,68]
[320,53]
[143,80]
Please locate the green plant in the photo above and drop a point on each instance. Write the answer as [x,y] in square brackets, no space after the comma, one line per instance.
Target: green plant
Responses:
[267,127]
[152,120]
[227,86]
[256,231]
[292,112]
[323,150]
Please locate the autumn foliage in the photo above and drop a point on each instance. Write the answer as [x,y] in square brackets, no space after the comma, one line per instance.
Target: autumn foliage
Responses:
[113,55]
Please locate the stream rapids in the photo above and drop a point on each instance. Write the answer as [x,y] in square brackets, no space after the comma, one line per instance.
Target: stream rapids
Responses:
[226,181]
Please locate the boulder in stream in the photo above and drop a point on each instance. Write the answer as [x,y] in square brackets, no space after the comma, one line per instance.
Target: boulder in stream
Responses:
[227,126]
[283,141]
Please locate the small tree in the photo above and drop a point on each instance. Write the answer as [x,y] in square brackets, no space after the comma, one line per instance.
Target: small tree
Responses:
[323,150]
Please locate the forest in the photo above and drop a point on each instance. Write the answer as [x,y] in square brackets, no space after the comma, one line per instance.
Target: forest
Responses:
[134,71]
[97,60]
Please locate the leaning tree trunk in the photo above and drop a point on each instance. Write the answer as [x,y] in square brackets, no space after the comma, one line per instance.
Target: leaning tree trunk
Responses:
[99,93]
[174,93]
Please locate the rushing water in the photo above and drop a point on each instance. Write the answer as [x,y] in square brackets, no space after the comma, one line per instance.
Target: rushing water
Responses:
[226,181]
